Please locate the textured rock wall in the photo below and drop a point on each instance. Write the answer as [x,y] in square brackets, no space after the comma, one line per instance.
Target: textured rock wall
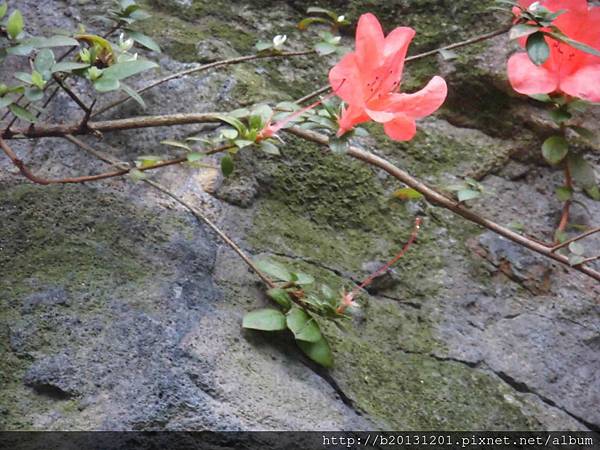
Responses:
[121,311]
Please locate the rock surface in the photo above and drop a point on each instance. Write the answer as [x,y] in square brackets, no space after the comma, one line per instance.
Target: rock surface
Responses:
[121,311]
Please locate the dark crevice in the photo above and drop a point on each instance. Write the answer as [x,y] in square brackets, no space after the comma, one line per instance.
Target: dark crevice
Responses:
[401,302]
[326,376]
[519,386]
[51,391]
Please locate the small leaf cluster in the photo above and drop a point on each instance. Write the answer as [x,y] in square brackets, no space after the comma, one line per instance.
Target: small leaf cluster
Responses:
[555,148]
[469,189]
[575,251]
[104,64]
[323,16]
[330,40]
[299,302]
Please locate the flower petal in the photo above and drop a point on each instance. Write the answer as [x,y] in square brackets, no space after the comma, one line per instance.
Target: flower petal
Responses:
[579,6]
[346,81]
[416,105]
[369,42]
[402,128]
[527,78]
[351,117]
[395,48]
[584,83]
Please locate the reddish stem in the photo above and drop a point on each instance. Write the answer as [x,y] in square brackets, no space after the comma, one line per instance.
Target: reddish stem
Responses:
[348,298]
[564,219]
[393,261]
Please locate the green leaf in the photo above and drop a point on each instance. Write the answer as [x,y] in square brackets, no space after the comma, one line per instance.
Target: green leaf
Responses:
[521,30]
[20,50]
[467,194]
[241,143]
[143,40]
[68,67]
[564,193]
[593,192]
[22,113]
[126,69]
[583,132]
[261,46]
[581,171]
[305,23]
[318,351]
[133,94]
[37,79]
[274,270]
[234,122]
[325,48]
[106,84]
[576,248]
[302,325]
[281,297]
[541,97]
[227,165]
[560,115]
[408,194]
[34,94]
[195,156]
[338,145]
[3,9]
[448,55]
[229,133]
[269,148]
[537,48]
[575,259]
[24,77]
[15,24]
[554,149]
[53,41]
[148,160]
[560,236]
[318,10]
[303,279]
[266,319]
[137,175]
[5,101]
[178,144]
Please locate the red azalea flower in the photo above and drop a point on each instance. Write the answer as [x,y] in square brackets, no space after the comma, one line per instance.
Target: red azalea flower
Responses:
[367,79]
[567,69]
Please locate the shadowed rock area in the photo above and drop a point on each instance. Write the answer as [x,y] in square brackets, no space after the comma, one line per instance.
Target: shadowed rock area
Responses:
[121,311]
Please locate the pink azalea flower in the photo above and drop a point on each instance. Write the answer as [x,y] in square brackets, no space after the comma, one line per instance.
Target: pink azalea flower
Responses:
[368,78]
[567,69]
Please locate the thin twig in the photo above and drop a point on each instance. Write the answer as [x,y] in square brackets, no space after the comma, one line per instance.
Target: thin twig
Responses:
[439,199]
[53,94]
[575,238]
[70,93]
[195,211]
[87,178]
[61,130]
[225,62]
[589,260]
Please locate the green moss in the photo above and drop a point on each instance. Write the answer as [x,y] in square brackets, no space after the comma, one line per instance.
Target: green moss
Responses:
[336,211]
[94,247]
[418,392]
[176,37]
